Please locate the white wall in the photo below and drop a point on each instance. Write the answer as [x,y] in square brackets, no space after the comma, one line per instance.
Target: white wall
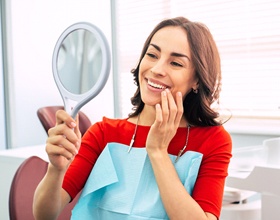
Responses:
[2,110]
[35,26]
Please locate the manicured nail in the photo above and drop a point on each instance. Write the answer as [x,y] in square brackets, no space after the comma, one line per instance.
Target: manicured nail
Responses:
[73,124]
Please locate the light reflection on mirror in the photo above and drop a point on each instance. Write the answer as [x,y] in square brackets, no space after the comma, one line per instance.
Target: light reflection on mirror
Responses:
[79,61]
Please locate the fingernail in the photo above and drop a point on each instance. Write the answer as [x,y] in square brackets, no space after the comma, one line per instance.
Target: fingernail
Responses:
[179,94]
[73,124]
[164,93]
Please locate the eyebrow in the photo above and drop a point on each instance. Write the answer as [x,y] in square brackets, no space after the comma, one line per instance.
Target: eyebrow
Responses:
[175,54]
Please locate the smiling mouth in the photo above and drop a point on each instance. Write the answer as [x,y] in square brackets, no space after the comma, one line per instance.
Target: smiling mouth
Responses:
[156,85]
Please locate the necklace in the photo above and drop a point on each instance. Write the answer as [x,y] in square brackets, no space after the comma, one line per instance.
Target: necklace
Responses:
[133,136]
[187,140]
[180,152]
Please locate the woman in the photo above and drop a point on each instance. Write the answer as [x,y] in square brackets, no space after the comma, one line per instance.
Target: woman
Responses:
[176,151]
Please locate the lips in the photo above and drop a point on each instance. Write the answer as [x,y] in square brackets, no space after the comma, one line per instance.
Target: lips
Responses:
[157,85]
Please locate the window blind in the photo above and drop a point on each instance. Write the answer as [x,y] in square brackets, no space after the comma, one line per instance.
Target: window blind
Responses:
[247,33]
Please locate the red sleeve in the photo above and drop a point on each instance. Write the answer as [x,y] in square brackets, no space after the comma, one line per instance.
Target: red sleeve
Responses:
[209,187]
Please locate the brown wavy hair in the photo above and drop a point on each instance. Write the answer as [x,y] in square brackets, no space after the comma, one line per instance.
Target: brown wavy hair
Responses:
[206,61]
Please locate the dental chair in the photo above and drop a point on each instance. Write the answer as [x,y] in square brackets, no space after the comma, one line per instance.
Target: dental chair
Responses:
[23,186]
[46,116]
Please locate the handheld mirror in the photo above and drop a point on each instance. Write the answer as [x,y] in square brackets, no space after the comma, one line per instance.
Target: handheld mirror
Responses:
[81,65]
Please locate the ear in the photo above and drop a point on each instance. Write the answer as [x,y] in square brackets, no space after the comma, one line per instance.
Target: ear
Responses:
[196,85]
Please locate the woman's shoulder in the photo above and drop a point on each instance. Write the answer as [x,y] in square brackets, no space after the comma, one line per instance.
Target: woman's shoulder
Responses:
[211,140]
[218,130]
[213,135]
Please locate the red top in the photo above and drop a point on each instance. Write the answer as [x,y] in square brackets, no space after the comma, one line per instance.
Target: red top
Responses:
[213,142]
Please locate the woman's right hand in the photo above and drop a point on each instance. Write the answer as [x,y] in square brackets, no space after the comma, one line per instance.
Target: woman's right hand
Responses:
[63,141]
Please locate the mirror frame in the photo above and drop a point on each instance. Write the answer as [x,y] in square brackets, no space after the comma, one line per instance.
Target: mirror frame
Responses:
[73,102]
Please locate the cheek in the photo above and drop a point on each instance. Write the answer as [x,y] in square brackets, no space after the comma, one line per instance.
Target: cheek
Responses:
[187,83]
[141,74]
[140,71]
[184,88]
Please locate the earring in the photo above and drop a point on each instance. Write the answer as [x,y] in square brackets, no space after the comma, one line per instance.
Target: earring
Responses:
[195,91]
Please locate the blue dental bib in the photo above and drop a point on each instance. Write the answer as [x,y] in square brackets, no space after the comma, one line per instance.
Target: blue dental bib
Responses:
[122,185]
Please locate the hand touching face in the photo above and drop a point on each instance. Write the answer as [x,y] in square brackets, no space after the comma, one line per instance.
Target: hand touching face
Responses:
[168,118]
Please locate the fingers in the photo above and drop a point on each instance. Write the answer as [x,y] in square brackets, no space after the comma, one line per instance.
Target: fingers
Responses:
[64,131]
[172,109]
[164,105]
[159,117]
[180,108]
[76,128]
[67,151]
[64,139]
[168,118]
[63,117]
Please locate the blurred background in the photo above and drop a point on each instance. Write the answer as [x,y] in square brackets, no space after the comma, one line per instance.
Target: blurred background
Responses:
[247,34]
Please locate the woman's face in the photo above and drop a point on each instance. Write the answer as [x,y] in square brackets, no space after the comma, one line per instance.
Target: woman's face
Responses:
[166,65]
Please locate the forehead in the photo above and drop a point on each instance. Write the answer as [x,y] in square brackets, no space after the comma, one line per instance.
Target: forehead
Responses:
[173,39]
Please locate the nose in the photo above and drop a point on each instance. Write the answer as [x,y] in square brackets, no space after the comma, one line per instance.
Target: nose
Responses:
[159,68]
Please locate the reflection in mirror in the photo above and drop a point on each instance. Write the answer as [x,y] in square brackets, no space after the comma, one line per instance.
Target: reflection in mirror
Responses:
[79,61]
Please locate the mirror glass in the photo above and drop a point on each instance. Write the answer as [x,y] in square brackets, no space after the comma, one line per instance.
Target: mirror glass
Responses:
[81,65]
[79,61]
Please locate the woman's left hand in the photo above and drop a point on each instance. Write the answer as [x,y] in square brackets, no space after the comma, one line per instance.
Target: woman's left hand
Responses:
[168,118]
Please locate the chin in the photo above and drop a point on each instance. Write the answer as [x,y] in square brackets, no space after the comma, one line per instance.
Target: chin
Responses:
[150,102]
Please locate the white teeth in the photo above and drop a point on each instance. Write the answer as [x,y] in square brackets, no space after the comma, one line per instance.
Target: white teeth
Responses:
[158,86]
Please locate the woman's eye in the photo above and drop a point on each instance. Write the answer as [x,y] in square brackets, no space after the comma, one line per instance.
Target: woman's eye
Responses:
[151,55]
[176,64]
